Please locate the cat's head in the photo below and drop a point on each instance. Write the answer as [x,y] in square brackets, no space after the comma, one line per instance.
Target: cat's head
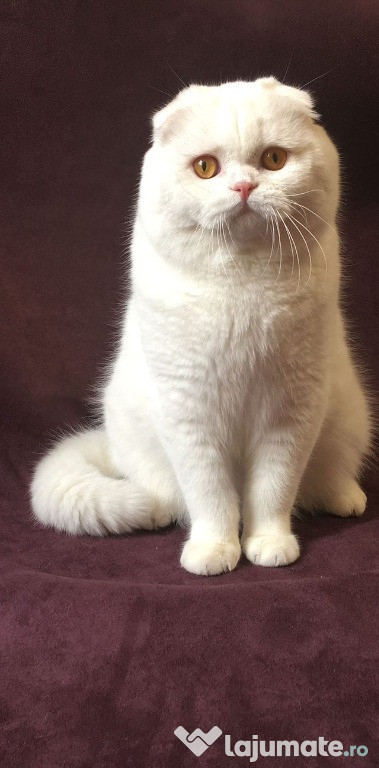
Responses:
[242,154]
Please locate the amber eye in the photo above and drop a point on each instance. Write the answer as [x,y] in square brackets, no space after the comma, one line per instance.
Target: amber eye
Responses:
[274,158]
[206,167]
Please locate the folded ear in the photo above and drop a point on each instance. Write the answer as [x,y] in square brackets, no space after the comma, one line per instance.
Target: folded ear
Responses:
[158,118]
[165,119]
[168,120]
[301,99]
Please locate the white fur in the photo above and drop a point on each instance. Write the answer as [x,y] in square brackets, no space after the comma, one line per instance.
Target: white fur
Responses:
[233,390]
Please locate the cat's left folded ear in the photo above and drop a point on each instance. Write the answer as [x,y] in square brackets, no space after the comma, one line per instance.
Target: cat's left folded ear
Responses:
[302,100]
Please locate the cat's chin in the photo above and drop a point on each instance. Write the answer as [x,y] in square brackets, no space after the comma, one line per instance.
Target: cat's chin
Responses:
[244,224]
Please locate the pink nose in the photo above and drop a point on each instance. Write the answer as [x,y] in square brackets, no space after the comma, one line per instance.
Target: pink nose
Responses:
[244,188]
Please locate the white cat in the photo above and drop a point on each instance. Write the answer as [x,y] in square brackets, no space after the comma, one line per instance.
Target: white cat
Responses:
[233,392]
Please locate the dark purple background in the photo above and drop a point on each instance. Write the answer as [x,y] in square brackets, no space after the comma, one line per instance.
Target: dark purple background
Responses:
[107,645]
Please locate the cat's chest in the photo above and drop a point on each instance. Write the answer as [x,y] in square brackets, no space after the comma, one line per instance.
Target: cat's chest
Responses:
[223,356]
[220,336]
[230,330]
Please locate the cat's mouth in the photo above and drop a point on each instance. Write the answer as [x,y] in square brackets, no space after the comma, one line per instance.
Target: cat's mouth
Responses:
[242,218]
[243,211]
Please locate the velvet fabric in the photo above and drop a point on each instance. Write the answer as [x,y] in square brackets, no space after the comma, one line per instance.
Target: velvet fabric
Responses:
[107,645]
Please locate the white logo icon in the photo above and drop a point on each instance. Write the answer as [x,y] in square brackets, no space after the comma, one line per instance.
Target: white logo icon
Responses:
[198,741]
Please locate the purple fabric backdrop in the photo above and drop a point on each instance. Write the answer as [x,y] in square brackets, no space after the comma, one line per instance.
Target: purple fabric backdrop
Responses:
[107,645]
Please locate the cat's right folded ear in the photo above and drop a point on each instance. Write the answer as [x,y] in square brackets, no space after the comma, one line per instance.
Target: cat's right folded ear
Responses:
[165,121]
[160,119]
[168,121]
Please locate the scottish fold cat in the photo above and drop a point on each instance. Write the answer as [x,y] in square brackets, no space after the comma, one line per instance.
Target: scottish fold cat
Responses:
[233,395]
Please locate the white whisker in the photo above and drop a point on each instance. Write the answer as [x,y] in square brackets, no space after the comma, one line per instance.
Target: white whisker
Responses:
[220,249]
[227,245]
[317,241]
[200,229]
[293,248]
[328,71]
[280,249]
[299,205]
[306,245]
[210,242]
[306,192]
[175,73]
[230,233]
[272,247]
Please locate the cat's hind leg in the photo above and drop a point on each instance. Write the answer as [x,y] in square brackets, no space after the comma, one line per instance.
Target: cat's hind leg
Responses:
[330,481]
[138,455]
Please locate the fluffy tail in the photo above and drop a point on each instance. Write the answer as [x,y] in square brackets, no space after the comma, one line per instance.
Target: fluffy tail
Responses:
[75,489]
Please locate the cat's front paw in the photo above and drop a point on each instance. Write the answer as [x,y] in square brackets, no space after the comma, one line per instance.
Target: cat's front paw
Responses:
[271,549]
[207,558]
